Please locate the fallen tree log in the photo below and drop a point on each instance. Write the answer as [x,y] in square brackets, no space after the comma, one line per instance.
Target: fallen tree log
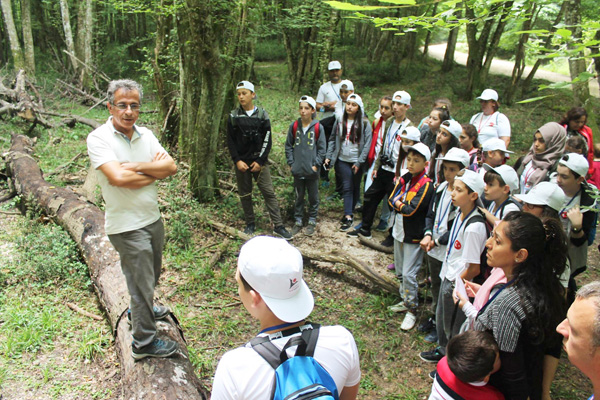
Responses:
[168,378]
[18,101]
[374,245]
[383,282]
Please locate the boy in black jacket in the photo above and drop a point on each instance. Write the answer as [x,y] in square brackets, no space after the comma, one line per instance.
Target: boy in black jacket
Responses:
[249,142]
[305,150]
[410,200]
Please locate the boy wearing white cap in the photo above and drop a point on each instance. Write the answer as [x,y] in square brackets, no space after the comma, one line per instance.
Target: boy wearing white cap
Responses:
[329,92]
[576,216]
[462,261]
[410,201]
[272,289]
[489,122]
[499,183]
[249,142]
[439,220]
[305,150]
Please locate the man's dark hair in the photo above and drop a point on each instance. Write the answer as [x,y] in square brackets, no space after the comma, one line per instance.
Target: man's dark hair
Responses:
[415,152]
[471,355]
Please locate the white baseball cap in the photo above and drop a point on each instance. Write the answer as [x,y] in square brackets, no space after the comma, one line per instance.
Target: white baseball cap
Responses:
[489,94]
[273,268]
[358,100]
[507,173]
[458,155]
[473,180]
[245,85]
[422,149]
[576,163]
[411,133]
[452,126]
[402,97]
[544,194]
[346,85]
[309,100]
[495,144]
[334,65]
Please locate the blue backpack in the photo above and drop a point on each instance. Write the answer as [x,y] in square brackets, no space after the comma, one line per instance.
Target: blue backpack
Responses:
[299,377]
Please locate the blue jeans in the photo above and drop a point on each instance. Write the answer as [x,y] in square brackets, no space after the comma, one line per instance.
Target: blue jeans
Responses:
[350,185]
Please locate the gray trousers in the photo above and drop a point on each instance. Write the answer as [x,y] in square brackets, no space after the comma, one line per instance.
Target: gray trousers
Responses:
[312,187]
[265,185]
[435,267]
[141,261]
[443,315]
[408,258]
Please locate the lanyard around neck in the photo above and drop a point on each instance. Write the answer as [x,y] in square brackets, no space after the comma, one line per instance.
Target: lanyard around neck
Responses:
[445,212]
[454,232]
[337,93]
[280,326]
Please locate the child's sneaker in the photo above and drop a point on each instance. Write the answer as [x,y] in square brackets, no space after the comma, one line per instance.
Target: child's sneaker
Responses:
[362,232]
[432,356]
[310,229]
[346,224]
[158,348]
[249,230]
[409,321]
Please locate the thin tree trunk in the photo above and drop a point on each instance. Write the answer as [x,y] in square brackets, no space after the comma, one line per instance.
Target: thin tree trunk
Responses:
[448,62]
[64,11]
[581,90]
[28,39]
[428,36]
[86,48]
[595,51]
[492,47]
[13,38]
[477,47]
[519,66]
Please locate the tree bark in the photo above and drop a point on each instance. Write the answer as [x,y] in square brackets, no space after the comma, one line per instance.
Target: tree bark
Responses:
[86,32]
[169,378]
[66,21]
[581,90]
[13,38]
[519,65]
[448,62]
[28,39]
[492,47]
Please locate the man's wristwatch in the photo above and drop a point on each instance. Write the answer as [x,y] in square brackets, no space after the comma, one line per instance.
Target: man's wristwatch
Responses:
[576,230]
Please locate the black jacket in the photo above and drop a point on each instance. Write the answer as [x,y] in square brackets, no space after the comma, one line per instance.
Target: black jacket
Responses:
[249,137]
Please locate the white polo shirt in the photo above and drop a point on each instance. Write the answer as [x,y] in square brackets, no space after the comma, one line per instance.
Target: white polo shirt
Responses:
[329,92]
[125,209]
[243,374]
[493,126]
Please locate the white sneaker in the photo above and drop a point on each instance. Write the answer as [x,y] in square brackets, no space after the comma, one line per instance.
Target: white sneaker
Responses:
[409,321]
[400,307]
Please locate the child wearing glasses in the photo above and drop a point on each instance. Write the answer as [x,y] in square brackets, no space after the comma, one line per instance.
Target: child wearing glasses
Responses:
[305,150]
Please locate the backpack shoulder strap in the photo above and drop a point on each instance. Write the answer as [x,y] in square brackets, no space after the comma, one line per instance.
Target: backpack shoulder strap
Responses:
[475,218]
[317,130]
[295,129]
[267,350]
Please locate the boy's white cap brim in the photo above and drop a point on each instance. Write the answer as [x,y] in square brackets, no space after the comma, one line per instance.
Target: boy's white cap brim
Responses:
[489,94]
[308,100]
[346,85]
[576,163]
[473,181]
[422,149]
[245,85]
[495,144]
[452,126]
[402,97]
[334,65]
[273,268]
[411,133]
[508,174]
[544,194]
[458,155]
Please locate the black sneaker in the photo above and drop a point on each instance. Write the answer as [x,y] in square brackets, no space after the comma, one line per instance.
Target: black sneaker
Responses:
[382,226]
[158,348]
[296,229]
[282,232]
[432,375]
[310,229]
[432,356]
[346,224]
[160,312]
[427,325]
[362,232]
[249,230]
[388,241]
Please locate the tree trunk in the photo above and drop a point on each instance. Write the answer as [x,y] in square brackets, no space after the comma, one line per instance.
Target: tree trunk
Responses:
[86,31]
[428,36]
[66,20]
[13,38]
[519,66]
[492,47]
[448,62]
[581,90]
[381,47]
[169,378]
[28,39]
[595,51]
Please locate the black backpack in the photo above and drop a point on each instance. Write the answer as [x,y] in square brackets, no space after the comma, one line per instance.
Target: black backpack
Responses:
[484,269]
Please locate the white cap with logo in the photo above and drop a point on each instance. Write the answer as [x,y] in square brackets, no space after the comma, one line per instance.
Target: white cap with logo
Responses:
[273,268]
[346,85]
[245,85]
[544,194]
[495,144]
[507,173]
[458,155]
[576,163]
[473,180]
[402,97]
[358,100]
[334,65]
[489,94]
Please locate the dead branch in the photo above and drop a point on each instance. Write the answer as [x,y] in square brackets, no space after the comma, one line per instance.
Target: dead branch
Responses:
[219,253]
[228,185]
[382,282]
[376,246]
[70,120]
[80,92]
[66,165]
[90,67]
[81,311]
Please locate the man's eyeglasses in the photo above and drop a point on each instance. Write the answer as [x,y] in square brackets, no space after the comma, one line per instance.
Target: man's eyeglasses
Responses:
[123,106]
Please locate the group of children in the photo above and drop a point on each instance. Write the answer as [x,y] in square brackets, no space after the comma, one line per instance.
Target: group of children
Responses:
[448,187]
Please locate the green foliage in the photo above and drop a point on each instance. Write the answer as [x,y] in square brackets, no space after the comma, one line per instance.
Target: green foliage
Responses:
[375,74]
[92,344]
[269,50]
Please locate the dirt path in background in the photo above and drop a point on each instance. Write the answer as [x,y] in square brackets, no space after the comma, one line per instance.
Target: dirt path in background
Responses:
[504,67]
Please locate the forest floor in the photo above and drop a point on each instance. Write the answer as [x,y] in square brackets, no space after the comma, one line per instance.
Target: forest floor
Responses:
[49,352]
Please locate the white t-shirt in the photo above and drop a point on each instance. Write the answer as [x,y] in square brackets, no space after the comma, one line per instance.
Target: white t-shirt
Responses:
[126,209]
[528,170]
[492,126]
[501,213]
[464,247]
[329,92]
[243,374]
[440,222]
